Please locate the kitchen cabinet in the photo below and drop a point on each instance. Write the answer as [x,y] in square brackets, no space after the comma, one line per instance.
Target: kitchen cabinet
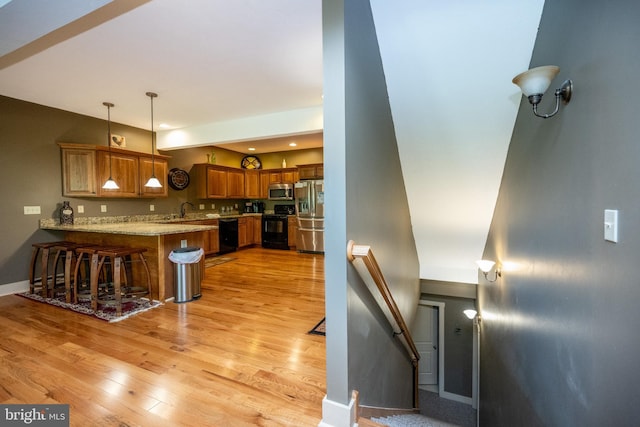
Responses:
[211,238]
[235,183]
[257,230]
[160,169]
[79,172]
[124,171]
[86,167]
[252,184]
[264,184]
[292,230]
[243,238]
[210,181]
[311,171]
[288,175]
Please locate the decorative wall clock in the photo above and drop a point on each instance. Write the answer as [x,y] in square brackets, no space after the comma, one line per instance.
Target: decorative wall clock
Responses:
[118,141]
[251,162]
[178,179]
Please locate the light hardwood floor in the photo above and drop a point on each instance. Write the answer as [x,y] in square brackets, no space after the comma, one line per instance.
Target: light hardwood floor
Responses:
[239,356]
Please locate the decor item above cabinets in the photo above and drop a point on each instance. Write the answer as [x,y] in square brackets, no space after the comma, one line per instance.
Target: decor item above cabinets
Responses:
[85,166]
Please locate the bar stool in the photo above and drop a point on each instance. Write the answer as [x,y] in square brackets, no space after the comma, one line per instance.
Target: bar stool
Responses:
[43,252]
[86,259]
[67,252]
[125,286]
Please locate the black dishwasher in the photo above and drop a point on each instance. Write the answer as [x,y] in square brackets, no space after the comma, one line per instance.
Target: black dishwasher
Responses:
[228,232]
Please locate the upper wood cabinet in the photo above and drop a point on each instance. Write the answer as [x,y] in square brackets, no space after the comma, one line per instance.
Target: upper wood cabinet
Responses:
[288,175]
[86,167]
[311,171]
[252,184]
[79,173]
[210,181]
[159,166]
[235,183]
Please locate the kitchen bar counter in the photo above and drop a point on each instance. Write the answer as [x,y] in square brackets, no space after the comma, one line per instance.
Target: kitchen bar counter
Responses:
[159,239]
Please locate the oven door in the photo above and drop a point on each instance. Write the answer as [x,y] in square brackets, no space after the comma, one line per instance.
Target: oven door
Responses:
[275,233]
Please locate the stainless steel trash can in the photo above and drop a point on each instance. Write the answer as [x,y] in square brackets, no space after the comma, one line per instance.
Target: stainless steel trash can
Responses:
[187,278]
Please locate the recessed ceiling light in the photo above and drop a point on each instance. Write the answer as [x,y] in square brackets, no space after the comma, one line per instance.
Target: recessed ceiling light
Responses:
[164,126]
[251,149]
[293,144]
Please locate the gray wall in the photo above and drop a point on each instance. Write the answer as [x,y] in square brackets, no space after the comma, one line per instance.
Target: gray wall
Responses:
[558,343]
[364,177]
[30,159]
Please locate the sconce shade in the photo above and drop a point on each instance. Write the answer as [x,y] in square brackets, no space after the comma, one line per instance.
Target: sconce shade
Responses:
[536,81]
[485,265]
[470,313]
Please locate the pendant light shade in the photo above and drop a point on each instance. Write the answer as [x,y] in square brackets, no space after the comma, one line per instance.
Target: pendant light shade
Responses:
[110,184]
[153,181]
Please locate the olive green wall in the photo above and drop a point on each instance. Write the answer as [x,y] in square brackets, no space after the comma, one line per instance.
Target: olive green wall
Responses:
[31,163]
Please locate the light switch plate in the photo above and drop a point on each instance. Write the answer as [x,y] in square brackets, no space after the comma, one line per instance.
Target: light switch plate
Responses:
[183,243]
[201,206]
[80,208]
[611,225]
[152,208]
[103,208]
[32,210]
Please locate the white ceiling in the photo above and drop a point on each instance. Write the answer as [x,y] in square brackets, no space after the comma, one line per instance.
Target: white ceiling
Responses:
[448,66]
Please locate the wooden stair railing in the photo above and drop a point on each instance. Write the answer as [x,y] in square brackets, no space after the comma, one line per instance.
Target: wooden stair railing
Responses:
[394,316]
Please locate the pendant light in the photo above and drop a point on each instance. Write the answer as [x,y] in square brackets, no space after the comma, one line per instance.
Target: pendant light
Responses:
[110,184]
[153,181]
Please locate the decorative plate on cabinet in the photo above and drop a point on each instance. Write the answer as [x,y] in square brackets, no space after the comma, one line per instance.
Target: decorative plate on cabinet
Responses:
[178,179]
[251,162]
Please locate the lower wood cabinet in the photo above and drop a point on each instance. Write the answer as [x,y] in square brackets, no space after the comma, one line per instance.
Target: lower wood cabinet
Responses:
[211,239]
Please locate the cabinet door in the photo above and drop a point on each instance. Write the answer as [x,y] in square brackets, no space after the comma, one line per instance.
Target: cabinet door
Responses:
[160,169]
[235,184]
[123,168]
[307,172]
[289,175]
[214,241]
[275,177]
[257,230]
[216,183]
[242,232]
[251,184]
[79,172]
[264,184]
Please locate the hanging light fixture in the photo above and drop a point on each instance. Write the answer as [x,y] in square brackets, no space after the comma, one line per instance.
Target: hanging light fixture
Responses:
[110,184]
[153,181]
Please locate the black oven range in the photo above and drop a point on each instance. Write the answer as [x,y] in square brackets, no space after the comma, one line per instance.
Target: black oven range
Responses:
[275,233]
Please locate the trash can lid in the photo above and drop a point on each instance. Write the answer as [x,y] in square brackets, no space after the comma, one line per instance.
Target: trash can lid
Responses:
[186,255]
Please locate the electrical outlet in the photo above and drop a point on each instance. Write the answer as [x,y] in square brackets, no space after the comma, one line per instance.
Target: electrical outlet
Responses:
[80,208]
[32,210]
[183,243]
[152,208]
[213,205]
[103,208]
[201,206]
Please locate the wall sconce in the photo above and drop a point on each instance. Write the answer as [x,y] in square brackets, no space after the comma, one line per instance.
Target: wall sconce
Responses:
[110,184]
[535,82]
[486,266]
[153,181]
[470,313]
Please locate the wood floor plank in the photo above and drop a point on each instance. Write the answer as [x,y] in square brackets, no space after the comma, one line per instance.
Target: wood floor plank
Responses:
[239,356]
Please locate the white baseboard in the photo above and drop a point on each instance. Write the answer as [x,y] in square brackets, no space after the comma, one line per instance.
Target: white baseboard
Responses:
[14,288]
[336,414]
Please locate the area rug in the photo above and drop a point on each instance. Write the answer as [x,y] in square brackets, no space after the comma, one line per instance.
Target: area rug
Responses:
[320,328]
[108,314]
[212,262]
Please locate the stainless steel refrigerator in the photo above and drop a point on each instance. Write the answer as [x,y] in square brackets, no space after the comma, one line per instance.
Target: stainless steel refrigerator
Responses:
[309,196]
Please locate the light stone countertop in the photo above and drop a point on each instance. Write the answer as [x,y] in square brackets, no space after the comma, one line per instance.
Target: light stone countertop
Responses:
[132,228]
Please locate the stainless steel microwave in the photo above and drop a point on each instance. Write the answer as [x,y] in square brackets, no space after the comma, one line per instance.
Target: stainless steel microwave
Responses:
[280,191]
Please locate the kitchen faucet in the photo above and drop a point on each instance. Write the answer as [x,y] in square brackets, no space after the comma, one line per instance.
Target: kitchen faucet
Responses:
[182,212]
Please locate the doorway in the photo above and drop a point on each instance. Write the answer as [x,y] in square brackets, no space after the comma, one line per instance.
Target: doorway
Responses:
[429,339]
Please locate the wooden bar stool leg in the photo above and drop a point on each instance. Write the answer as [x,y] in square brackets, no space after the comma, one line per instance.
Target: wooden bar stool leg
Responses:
[95,272]
[45,272]
[117,284]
